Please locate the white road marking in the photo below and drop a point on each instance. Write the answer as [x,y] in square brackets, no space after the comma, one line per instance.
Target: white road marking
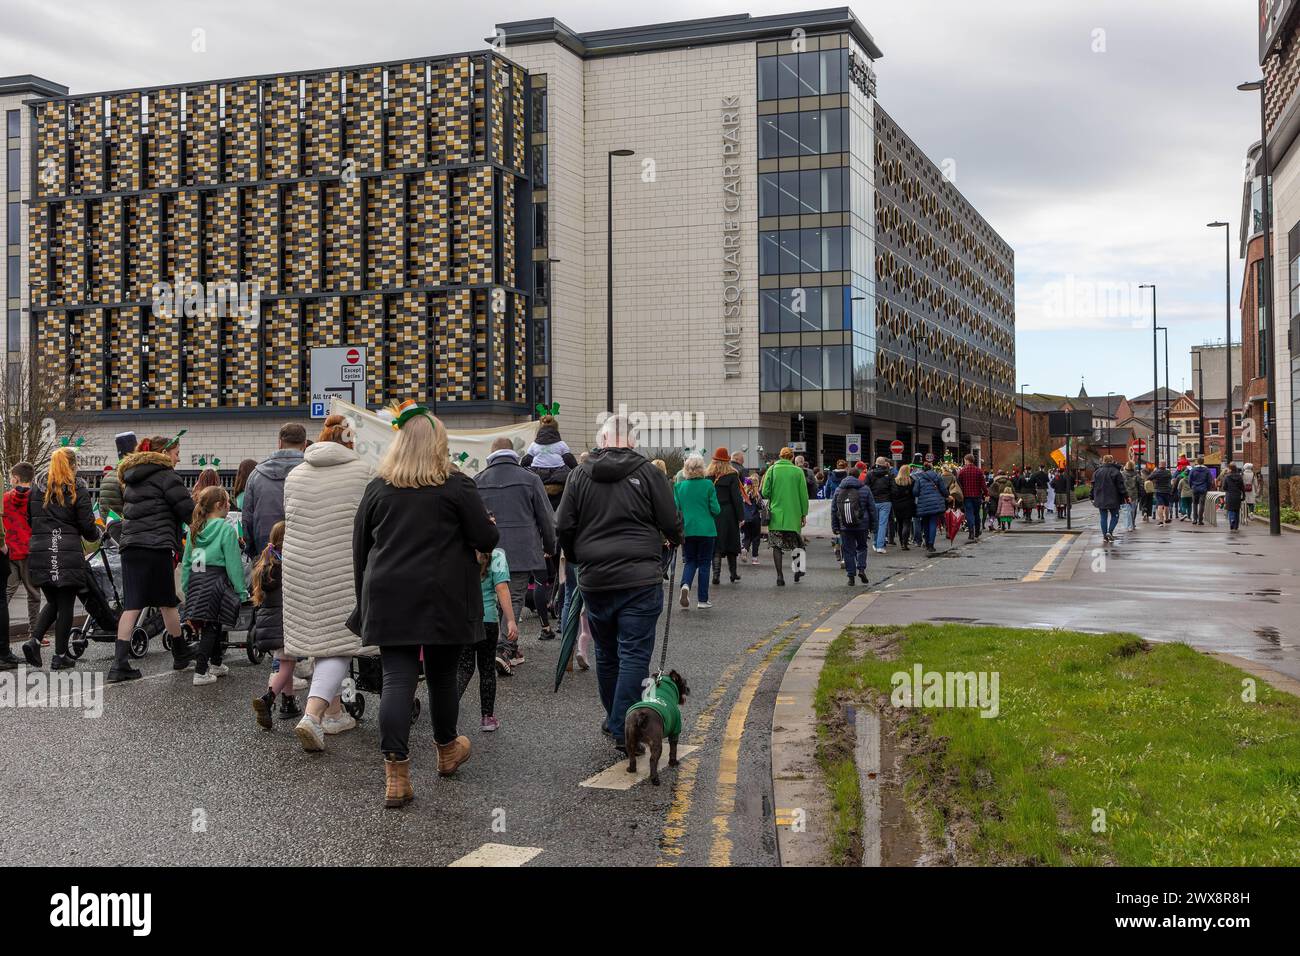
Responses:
[498,854]
[617,777]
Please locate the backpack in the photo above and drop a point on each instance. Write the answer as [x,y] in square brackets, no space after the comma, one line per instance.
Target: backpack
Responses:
[1149,487]
[851,509]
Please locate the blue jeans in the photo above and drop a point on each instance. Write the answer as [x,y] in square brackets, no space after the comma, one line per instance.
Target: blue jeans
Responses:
[972,509]
[623,630]
[1109,519]
[853,545]
[931,525]
[1233,518]
[882,528]
[697,555]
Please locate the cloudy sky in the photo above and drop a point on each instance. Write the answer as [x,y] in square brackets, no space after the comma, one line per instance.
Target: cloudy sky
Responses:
[1097,136]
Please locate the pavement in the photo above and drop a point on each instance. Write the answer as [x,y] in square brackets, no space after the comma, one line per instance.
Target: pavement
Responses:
[1219,591]
[171,774]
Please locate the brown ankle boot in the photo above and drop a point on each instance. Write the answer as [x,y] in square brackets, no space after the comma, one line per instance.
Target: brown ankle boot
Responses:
[397,780]
[452,755]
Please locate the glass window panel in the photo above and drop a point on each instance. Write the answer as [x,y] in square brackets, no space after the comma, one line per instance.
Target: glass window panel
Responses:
[834,312]
[835,362]
[788,123]
[834,79]
[13,125]
[769,194]
[788,75]
[539,166]
[789,318]
[767,84]
[790,250]
[790,369]
[769,137]
[12,223]
[15,330]
[539,110]
[769,375]
[810,366]
[810,193]
[769,310]
[832,189]
[834,131]
[811,250]
[769,253]
[833,259]
[15,176]
[810,82]
[810,319]
[539,225]
[810,133]
[789,194]
[15,278]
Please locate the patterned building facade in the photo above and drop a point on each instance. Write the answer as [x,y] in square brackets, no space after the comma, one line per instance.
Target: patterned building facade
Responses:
[189,245]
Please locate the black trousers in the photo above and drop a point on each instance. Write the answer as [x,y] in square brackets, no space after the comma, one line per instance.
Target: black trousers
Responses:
[1198,507]
[209,647]
[62,600]
[481,654]
[401,673]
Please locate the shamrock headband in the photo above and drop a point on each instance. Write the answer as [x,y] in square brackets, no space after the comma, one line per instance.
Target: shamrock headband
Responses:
[176,439]
[543,410]
[204,463]
[407,410]
[66,441]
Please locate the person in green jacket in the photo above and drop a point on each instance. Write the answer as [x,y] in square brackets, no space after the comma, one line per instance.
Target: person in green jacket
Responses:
[697,500]
[786,491]
[211,571]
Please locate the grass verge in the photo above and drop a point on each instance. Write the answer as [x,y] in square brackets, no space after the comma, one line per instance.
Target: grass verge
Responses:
[1155,742]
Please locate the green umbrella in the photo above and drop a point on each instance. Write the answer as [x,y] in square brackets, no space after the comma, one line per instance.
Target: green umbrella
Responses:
[570,636]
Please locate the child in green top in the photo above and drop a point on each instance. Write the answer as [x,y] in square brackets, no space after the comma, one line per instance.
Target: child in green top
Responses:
[494,575]
[697,500]
[211,573]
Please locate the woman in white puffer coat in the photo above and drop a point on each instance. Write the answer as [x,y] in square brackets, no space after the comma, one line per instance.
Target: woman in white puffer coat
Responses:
[320,501]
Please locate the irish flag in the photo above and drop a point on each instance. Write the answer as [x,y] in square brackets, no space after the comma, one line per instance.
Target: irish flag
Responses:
[1059,457]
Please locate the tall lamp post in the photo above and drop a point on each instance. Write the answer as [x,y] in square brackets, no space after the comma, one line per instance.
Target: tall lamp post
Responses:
[1155,372]
[1227,324]
[1274,503]
[1023,420]
[1200,404]
[609,277]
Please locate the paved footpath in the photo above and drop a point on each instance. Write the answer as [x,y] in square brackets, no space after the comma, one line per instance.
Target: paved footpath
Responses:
[1219,592]
[129,786]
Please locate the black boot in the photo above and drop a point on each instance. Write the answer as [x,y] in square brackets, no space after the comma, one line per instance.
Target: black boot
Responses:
[289,707]
[183,652]
[122,669]
[32,651]
[780,574]
[8,661]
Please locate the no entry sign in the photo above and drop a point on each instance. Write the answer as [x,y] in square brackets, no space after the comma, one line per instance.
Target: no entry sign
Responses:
[896,449]
[339,370]
[1139,446]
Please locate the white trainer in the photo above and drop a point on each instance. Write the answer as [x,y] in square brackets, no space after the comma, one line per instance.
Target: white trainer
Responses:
[338,723]
[311,734]
[685,600]
[202,679]
[221,670]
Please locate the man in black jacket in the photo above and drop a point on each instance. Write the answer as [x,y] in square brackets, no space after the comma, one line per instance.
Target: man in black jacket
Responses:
[879,480]
[264,493]
[616,512]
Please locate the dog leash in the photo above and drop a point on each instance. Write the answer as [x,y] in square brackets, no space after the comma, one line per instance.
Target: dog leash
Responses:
[668,619]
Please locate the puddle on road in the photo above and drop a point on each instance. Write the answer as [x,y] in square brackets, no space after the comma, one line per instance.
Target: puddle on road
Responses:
[1270,634]
[954,620]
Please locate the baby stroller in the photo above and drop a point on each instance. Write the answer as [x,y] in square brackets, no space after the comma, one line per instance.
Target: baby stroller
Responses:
[367,674]
[103,614]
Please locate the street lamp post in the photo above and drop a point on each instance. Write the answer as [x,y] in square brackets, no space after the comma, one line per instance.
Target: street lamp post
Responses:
[609,276]
[1266,173]
[1227,322]
[1023,423]
[1155,371]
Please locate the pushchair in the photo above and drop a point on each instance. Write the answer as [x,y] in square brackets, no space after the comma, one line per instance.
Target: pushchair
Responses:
[367,674]
[103,614]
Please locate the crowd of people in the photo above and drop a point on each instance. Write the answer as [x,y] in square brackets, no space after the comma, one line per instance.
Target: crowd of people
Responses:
[1163,495]
[414,569]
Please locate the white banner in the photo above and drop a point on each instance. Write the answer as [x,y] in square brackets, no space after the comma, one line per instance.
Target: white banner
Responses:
[374,433]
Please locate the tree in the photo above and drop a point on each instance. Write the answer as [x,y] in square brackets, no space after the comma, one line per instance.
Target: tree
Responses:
[38,410]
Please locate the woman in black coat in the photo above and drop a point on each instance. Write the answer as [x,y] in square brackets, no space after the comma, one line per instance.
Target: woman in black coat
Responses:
[726,482]
[415,541]
[904,510]
[60,514]
[156,506]
[1234,492]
